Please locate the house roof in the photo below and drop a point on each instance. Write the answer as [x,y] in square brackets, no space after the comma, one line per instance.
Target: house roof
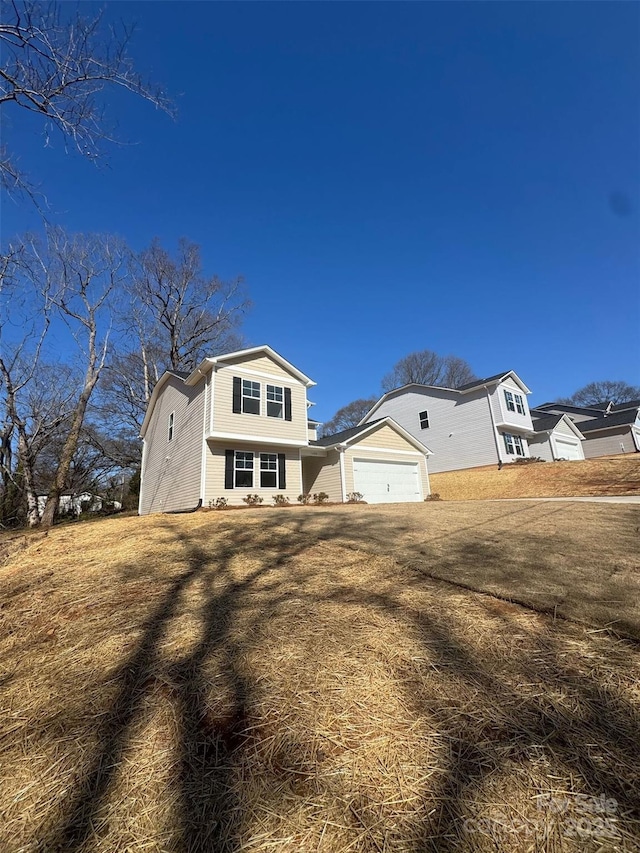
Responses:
[565,407]
[544,422]
[490,380]
[346,436]
[623,418]
[207,363]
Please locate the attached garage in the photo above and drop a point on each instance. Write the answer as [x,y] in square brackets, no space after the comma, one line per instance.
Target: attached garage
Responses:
[378,460]
[380,482]
[566,448]
[555,437]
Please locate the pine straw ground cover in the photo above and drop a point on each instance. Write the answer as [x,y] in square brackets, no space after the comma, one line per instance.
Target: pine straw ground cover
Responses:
[270,680]
[612,475]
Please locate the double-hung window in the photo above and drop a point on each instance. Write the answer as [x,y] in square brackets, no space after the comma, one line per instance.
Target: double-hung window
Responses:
[171,426]
[250,397]
[424,420]
[243,469]
[513,444]
[514,402]
[268,470]
[275,401]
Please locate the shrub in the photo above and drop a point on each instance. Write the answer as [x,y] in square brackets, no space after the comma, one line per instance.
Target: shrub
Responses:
[253,500]
[526,460]
[219,503]
[281,500]
[320,498]
[354,497]
[304,499]
[434,496]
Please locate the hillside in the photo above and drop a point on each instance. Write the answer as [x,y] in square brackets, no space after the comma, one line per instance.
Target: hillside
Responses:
[609,475]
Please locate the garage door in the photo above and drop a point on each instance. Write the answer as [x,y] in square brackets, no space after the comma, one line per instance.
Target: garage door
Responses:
[387,482]
[568,449]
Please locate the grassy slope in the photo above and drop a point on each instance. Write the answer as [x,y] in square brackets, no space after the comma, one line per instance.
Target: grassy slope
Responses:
[271,679]
[612,475]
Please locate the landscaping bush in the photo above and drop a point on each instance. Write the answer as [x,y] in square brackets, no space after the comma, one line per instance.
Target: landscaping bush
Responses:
[253,500]
[321,498]
[304,499]
[218,503]
[281,500]
[355,497]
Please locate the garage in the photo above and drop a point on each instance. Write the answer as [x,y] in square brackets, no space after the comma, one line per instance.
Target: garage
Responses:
[567,449]
[379,481]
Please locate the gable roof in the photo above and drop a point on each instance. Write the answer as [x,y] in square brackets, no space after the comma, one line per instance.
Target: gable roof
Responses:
[207,363]
[463,389]
[544,422]
[565,407]
[346,436]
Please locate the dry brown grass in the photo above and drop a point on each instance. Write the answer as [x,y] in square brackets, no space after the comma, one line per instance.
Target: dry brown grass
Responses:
[275,680]
[611,475]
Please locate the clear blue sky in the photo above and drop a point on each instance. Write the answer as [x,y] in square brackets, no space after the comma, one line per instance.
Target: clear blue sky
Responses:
[387,177]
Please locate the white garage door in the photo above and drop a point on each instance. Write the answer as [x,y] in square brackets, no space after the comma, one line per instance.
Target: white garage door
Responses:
[568,449]
[386,482]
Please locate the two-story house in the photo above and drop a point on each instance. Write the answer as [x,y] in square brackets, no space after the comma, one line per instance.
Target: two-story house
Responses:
[238,425]
[483,422]
[607,429]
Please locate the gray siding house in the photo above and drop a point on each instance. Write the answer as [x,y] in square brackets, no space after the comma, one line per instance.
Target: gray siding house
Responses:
[484,422]
[608,429]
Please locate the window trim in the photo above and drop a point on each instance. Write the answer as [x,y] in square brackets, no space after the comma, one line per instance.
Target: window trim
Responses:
[244,470]
[251,396]
[273,470]
[279,402]
[515,442]
[422,419]
[514,401]
[171,426]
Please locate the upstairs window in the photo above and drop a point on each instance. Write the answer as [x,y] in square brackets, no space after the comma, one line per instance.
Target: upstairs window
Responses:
[250,397]
[513,444]
[172,418]
[243,469]
[515,403]
[275,401]
[424,420]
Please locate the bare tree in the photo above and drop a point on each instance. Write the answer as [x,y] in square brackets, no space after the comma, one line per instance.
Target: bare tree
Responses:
[78,276]
[606,391]
[349,415]
[56,63]
[428,368]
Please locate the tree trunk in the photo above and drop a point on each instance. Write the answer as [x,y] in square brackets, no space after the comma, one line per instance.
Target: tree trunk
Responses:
[24,454]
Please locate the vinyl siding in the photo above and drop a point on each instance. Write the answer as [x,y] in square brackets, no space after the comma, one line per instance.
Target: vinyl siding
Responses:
[563,428]
[386,437]
[541,446]
[608,442]
[502,414]
[322,474]
[215,465]
[172,469]
[264,364]
[460,433]
[359,451]
[226,421]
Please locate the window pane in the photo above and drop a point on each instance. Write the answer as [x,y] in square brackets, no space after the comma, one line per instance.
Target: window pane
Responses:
[250,406]
[274,410]
[268,479]
[274,392]
[244,479]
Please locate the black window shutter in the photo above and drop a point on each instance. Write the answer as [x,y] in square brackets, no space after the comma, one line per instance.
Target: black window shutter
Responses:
[282,474]
[228,469]
[287,404]
[237,397]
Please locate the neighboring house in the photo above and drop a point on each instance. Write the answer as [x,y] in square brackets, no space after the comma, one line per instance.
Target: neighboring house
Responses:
[238,425]
[608,429]
[556,437]
[75,503]
[484,422]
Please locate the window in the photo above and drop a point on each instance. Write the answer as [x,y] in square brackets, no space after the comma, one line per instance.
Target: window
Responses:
[424,420]
[268,470]
[275,401]
[513,443]
[172,418]
[515,402]
[250,397]
[243,469]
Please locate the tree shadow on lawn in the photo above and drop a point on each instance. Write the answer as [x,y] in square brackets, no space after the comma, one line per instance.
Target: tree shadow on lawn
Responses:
[502,728]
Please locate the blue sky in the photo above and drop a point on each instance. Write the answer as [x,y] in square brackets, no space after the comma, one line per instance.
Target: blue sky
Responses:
[387,177]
